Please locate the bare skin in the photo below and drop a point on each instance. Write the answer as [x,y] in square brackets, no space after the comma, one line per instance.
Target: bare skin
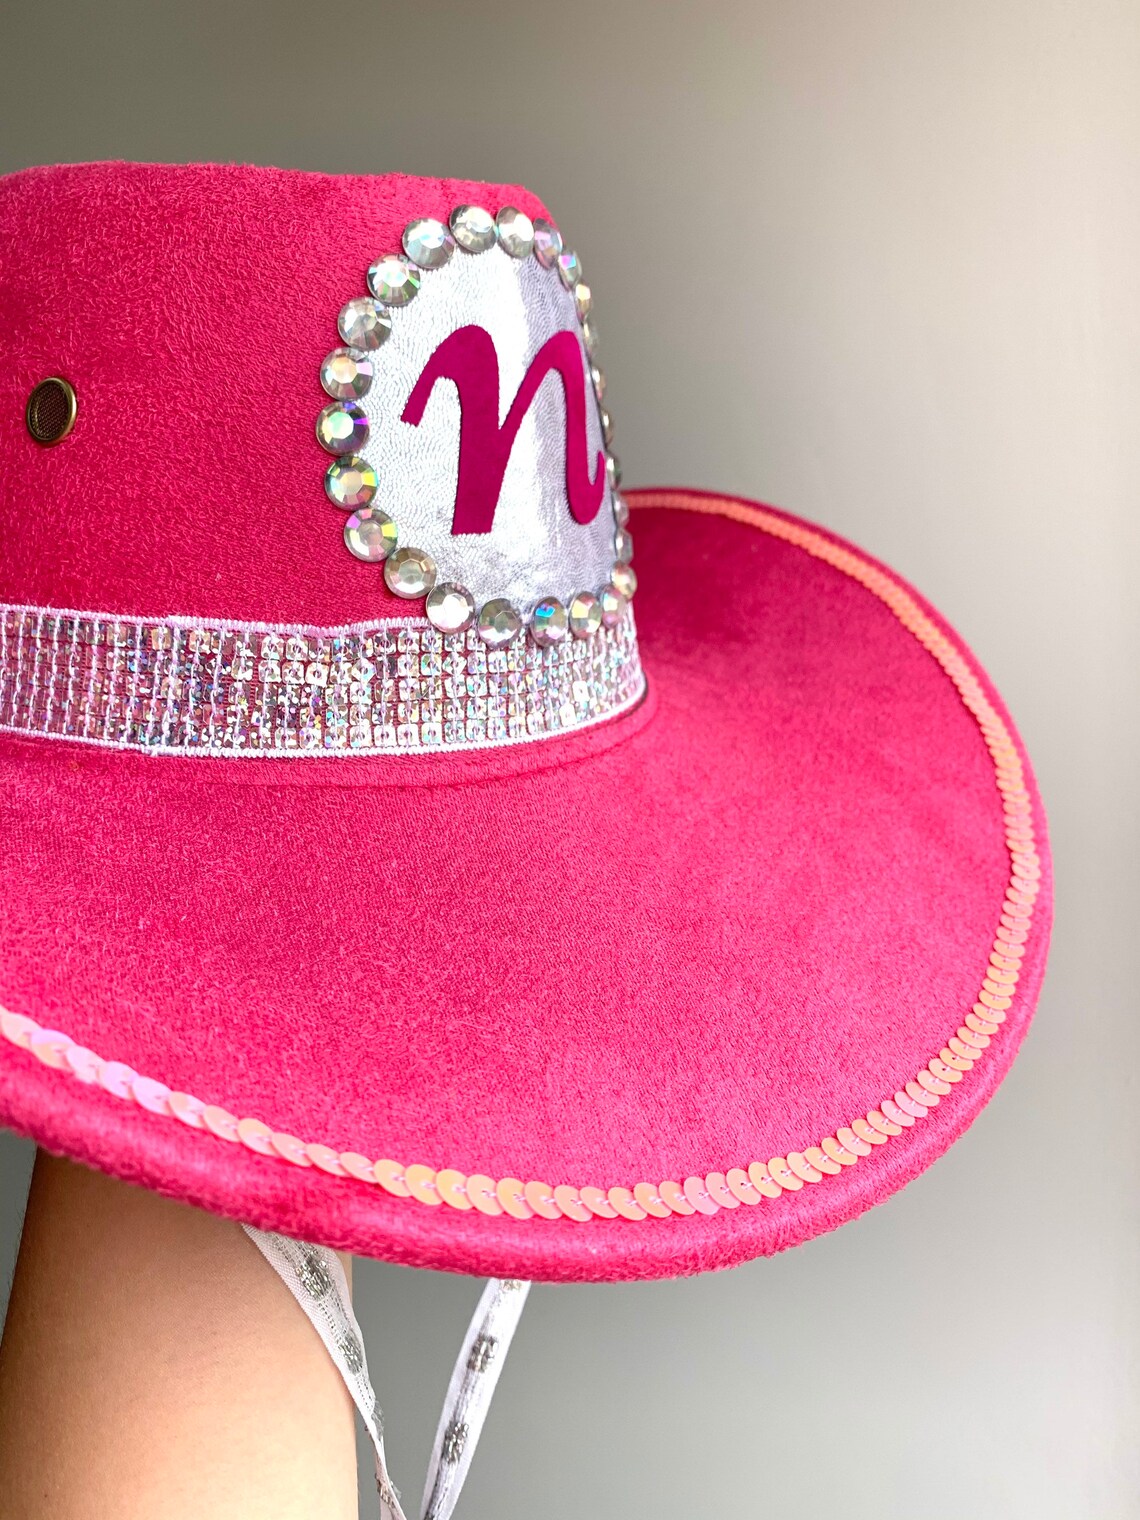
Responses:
[153,1366]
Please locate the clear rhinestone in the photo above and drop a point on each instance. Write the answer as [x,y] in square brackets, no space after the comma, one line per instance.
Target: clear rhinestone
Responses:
[498,622]
[346,374]
[622,577]
[613,605]
[450,608]
[613,471]
[370,534]
[342,427]
[410,573]
[350,482]
[585,615]
[621,510]
[548,622]
[623,547]
[393,280]
[583,299]
[598,381]
[363,323]
[590,335]
[607,427]
[516,232]
[428,243]
[569,268]
[473,228]
[547,242]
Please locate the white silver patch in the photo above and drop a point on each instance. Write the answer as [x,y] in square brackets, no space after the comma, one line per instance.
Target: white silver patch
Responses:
[535,549]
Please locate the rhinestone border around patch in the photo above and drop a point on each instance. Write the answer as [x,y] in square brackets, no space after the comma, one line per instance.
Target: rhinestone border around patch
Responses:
[567,268]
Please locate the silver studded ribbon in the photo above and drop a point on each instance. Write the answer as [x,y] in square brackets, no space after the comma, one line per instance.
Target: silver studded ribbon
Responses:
[315,1278]
[470,1391]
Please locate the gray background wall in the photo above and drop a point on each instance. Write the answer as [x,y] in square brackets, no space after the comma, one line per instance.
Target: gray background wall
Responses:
[874,260]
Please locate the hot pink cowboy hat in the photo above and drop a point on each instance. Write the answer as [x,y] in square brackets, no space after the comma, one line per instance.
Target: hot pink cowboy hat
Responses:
[376,866]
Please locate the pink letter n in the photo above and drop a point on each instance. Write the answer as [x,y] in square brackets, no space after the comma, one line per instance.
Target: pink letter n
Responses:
[469,359]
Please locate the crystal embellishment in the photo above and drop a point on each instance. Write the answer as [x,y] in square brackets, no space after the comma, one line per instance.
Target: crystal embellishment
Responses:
[346,374]
[393,281]
[569,268]
[516,232]
[370,535]
[342,427]
[450,608]
[548,622]
[623,546]
[624,579]
[428,243]
[585,615]
[473,228]
[499,622]
[410,573]
[613,605]
[363,323]
[547,242]
[350,482]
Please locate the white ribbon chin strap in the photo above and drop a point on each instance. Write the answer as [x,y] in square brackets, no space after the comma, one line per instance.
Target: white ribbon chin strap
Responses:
[315,1277]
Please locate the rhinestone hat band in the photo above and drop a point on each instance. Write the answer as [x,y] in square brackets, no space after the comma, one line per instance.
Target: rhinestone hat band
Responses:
[186,686]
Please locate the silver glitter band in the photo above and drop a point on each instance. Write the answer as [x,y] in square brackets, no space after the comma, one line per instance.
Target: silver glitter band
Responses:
[198,686]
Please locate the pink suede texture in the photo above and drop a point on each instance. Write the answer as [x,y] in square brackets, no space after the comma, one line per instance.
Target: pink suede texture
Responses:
[190,307]
[708,932]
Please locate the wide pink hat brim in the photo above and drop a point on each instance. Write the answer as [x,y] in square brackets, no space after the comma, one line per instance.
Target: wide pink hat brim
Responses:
[715,932]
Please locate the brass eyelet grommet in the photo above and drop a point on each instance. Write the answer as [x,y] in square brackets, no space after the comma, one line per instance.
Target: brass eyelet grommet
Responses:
[51,410]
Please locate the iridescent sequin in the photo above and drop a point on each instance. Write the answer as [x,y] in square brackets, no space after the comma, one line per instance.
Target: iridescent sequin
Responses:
[224,690]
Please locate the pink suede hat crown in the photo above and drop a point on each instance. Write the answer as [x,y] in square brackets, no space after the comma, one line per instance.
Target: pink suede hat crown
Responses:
[384,860]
